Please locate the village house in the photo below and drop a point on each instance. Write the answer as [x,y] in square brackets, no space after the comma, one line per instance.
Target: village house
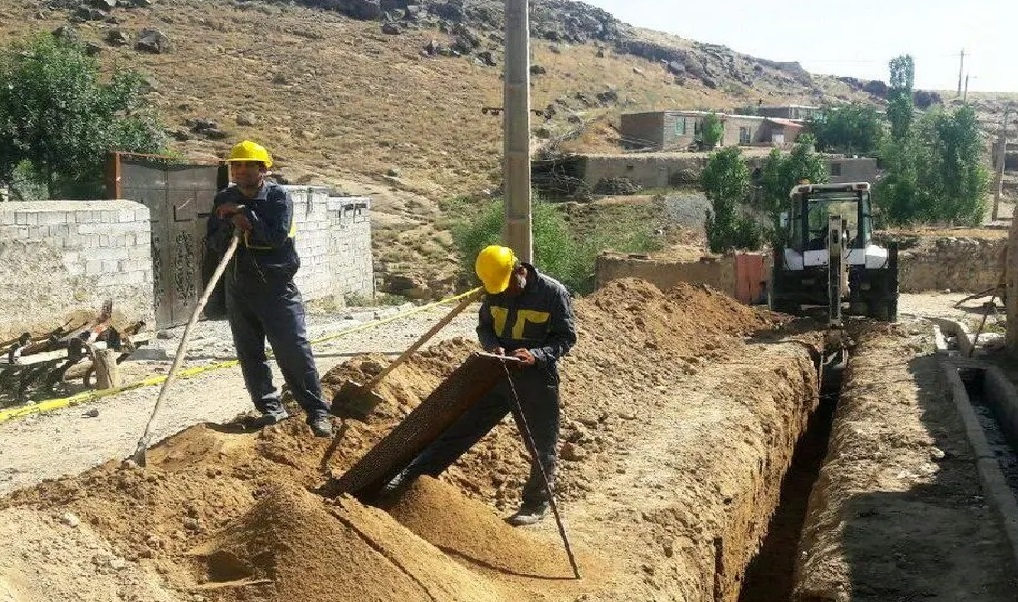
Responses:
[680,130]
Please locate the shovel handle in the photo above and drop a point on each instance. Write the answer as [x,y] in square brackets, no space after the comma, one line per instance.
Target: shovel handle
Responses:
[139,454]
[464,302]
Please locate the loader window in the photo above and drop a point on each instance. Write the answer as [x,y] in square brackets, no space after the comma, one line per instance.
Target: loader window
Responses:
[819,212]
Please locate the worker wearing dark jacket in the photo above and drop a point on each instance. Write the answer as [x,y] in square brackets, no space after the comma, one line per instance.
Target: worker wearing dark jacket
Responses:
[262,301]
[529,316]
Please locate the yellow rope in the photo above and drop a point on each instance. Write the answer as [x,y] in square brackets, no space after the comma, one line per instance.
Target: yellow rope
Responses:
[157,379]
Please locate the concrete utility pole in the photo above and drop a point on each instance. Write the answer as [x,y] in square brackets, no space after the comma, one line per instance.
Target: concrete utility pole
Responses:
[1001,161]
[961,70]
[518,235]
[965,95]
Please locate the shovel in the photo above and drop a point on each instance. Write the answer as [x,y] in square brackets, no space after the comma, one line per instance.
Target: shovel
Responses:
[139,453]
[359,400]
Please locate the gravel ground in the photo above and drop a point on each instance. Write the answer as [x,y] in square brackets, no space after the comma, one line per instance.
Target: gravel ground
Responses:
[67,441]
[687,210]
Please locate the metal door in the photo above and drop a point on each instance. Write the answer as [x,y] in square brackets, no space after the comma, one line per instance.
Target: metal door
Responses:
[179,196]
[749,277]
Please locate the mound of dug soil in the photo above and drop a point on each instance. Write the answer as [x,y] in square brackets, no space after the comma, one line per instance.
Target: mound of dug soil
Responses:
[228,511]
[468,529]
[292,546]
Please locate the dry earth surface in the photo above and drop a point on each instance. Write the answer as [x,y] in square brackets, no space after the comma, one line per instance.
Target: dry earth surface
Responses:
[657,385]
[342,104]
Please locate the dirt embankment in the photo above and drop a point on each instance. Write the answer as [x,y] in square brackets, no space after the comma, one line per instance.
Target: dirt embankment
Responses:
[898,512]
[678,434]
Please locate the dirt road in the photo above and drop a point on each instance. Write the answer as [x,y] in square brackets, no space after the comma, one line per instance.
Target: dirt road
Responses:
[66,441]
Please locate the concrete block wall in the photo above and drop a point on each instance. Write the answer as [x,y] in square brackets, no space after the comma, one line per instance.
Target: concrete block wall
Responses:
[351,260]
[59,258]
[334,243]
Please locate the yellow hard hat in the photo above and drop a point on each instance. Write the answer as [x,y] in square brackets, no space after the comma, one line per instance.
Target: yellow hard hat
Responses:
[250,151]
[494,266]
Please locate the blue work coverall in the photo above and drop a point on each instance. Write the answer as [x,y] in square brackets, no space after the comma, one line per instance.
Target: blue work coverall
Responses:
[262,301]
[541,320]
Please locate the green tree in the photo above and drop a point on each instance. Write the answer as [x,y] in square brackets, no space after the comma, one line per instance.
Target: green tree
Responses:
[725,182]
[934,167]
[781,172]
[853,129]
[711,130]
[60,117]
[900,103]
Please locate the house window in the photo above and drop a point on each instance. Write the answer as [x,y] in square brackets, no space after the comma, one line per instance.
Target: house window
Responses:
[745,136]
[680,126]
[835,169]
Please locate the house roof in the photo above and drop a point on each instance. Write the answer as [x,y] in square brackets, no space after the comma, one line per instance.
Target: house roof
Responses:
[788,123]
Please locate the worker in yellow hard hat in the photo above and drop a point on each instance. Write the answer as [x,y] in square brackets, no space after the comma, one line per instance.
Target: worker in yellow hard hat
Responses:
[528,316]
[262,301]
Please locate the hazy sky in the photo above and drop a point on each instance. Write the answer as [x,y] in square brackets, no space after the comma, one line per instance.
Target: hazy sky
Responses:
[854,38]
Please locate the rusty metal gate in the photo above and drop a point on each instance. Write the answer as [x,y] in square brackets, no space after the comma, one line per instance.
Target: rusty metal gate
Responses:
[179,196]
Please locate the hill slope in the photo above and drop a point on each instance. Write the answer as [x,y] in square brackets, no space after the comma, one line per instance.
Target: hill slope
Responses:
[398,115]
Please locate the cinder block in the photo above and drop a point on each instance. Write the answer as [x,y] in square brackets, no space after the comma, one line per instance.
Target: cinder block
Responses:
[93,267]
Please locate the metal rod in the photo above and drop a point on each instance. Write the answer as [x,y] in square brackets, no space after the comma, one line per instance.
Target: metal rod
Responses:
[516,123]
[528,439]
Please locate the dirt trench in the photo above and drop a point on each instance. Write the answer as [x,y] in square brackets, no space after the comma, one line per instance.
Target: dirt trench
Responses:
[681,414]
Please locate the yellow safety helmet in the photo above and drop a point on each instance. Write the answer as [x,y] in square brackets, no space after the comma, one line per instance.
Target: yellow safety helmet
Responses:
[494,266]
[250,151]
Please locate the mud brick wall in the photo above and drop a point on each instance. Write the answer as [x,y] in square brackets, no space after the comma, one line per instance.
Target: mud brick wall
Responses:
[718,273]
[62,257]
[960,264]
[334,243]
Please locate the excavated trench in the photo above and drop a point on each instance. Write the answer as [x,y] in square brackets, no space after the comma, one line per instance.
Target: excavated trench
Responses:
[769,576]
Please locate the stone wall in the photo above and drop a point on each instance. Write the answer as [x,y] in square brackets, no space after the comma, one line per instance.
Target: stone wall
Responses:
[58,258]
[961,264]
[334,243]
[1012,290]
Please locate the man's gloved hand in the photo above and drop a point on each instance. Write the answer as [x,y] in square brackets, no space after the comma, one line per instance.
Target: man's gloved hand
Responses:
[227,209]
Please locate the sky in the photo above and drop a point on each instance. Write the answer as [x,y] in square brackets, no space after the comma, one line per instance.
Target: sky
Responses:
[855,38]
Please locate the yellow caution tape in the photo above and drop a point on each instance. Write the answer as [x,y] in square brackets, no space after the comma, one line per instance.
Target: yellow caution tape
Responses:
[158,379]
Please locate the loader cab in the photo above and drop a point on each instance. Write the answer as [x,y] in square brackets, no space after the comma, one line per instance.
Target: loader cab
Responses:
[805,270]
[812,206]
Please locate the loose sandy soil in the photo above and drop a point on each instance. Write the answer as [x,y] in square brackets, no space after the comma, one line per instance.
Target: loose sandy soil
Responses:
[679,429]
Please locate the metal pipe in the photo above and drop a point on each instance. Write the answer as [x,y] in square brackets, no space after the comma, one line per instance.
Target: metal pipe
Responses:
[516,123]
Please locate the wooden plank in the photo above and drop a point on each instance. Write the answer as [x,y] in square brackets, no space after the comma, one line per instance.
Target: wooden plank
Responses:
[451,399]
[46,356]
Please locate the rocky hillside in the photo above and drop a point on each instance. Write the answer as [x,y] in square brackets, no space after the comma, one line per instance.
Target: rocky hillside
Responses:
[389,97]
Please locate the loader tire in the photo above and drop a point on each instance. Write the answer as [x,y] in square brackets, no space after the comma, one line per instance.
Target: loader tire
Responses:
[786,307]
